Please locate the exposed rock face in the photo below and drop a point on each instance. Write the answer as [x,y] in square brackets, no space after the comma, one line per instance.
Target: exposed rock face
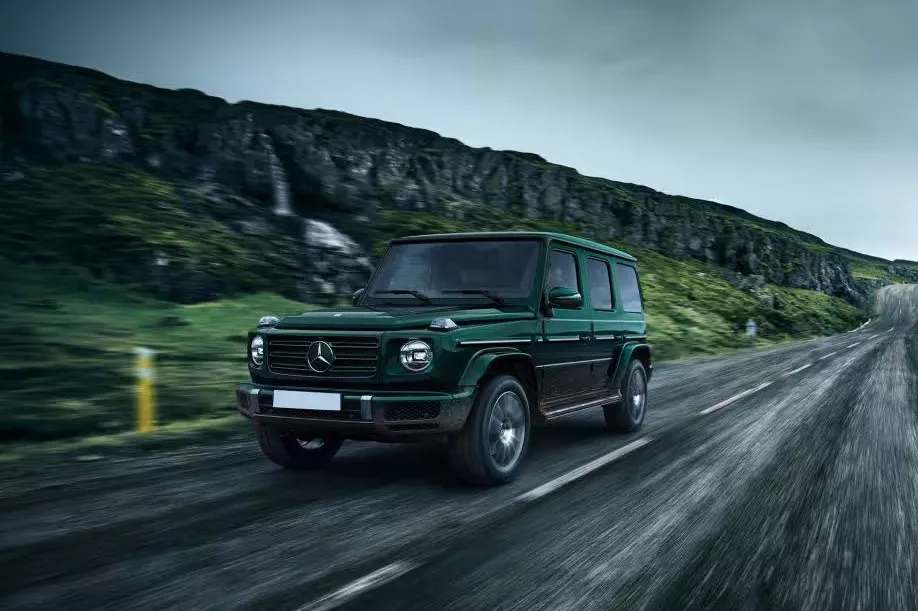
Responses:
[334,172]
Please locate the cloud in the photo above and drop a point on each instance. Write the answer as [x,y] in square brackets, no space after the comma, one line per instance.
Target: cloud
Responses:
[797,111]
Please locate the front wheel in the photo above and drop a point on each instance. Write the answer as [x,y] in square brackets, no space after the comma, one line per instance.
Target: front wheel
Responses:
[293,451]
[491,446]
[627,415]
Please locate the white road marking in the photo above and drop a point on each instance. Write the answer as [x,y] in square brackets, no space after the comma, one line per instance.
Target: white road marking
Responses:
[797,370]
[563,480]
[355,588]
[733,399]
[853,345]
[890,329]
[873,336]
[822,358]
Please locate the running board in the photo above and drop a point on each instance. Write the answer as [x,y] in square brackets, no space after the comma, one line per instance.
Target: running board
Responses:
[563,411]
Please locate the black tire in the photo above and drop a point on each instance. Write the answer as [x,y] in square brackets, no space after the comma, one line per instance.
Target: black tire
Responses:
[483,455]
[292,452]
[626,416]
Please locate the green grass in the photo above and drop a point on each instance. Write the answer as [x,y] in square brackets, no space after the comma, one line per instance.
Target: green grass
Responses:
[67,361]
[118,222]
[870,269]
[74,309]
[67,342]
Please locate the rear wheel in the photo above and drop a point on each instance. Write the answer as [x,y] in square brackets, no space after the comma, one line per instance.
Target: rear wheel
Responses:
[296,451]
[490,448]
[627,415]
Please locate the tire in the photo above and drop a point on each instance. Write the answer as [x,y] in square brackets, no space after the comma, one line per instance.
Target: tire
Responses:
[627,415]
[292,452]
[490,448]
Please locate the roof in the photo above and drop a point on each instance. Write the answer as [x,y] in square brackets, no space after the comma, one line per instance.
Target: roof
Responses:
[540,235]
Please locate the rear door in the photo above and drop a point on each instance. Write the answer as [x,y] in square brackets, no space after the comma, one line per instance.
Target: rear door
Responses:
[607,322]
[566,336]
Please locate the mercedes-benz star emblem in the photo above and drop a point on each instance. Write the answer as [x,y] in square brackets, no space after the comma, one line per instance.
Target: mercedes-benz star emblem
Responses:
[320,357]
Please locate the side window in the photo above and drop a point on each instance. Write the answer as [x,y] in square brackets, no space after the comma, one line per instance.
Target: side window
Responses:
[562,271]
[600,284]
[631,292]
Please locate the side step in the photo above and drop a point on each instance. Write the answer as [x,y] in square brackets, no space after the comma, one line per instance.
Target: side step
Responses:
[568,409]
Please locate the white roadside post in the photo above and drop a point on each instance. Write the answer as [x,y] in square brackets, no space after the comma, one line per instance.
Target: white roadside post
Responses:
[146,404]
[751,328]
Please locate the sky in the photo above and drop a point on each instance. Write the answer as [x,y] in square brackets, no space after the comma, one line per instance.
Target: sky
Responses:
[801,111]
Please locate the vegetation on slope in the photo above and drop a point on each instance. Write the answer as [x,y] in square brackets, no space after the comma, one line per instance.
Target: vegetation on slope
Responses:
[67,353]
[129,226]
[81,293]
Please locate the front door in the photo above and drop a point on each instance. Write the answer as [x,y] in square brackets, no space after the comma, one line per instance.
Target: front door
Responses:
[563,354]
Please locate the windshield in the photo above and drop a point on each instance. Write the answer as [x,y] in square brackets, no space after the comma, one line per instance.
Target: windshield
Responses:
[493,269]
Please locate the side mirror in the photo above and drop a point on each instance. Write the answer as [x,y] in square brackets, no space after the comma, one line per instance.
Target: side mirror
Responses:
[566,298]
[357,295]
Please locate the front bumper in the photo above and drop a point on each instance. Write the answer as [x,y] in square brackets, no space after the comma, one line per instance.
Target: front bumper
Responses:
[365,415]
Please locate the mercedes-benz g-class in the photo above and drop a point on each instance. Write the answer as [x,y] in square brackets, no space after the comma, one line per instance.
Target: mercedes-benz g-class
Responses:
[469,336]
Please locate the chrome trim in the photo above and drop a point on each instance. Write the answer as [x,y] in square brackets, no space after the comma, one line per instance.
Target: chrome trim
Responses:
[573,363]
[587,404]
[564,339]
[491,342]
[366,404]
[604,337]
[635,337]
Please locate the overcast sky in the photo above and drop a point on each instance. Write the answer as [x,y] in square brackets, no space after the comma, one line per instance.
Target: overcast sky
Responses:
[802,111]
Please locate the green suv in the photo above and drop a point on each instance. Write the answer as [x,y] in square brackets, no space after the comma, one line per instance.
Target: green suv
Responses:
[471,336]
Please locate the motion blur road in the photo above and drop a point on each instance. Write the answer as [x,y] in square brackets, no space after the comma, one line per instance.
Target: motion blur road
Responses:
[784,478]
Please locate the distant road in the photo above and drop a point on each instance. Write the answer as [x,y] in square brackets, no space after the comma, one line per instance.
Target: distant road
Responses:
[784,478]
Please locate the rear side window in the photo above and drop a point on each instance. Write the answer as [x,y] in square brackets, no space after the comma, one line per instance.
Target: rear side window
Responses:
[562,272]
[631,292]
[600,284]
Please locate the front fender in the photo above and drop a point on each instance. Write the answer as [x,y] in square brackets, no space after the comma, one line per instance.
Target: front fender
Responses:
[482,360]
[630,350]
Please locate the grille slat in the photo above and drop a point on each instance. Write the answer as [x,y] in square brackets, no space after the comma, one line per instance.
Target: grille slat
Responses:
[355,356]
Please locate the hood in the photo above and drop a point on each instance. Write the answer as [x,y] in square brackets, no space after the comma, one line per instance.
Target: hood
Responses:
[382,319]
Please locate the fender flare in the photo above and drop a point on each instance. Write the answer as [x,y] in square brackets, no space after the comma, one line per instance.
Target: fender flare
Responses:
[628,351]
[482,360]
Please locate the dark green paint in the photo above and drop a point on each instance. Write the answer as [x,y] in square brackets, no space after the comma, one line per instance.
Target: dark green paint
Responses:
[567,352]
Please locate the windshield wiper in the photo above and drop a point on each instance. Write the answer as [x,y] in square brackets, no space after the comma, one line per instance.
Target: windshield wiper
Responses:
[495,298]
[417,294]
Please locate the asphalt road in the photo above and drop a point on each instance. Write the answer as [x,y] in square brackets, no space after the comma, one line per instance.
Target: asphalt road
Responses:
[784,478]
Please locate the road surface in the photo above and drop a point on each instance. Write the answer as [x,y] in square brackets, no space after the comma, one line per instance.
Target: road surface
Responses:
[784,478]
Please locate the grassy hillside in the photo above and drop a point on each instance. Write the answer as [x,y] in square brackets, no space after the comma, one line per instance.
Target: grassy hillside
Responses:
[868,268]
[67,361]
[76,305]
[67,341]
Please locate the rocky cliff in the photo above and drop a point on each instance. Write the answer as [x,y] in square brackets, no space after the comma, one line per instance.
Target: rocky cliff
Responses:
[308,189]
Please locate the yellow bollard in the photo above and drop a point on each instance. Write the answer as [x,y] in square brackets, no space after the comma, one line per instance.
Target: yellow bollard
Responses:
[146,406]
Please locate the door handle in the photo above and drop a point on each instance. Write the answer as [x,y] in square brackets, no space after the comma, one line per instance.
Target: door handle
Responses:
[585,337]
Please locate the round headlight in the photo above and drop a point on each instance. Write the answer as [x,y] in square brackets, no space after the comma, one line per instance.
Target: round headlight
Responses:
[257,350]
[415,355]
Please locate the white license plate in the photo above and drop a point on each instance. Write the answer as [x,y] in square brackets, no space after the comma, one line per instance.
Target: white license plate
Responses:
[299,399]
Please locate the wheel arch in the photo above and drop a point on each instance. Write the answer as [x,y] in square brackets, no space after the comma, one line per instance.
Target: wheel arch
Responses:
[630,351]
[487,364]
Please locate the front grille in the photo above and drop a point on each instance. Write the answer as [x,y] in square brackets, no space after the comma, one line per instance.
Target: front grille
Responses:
[422,410]
[355,356]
